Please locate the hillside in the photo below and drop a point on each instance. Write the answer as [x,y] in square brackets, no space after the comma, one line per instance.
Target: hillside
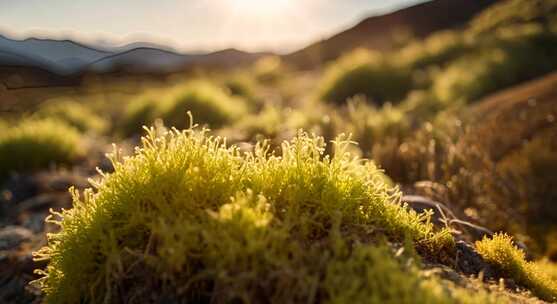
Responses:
[378,32]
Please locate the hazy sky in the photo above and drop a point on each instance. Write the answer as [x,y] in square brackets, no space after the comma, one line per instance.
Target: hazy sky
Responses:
[278,25]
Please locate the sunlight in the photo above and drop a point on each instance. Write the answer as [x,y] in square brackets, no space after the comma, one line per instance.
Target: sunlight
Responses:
[260,7]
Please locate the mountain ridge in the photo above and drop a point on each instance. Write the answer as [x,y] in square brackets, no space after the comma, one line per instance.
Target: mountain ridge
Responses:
[378,32]
[68,57]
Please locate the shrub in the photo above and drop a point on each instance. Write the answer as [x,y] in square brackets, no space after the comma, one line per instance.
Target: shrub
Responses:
[369,125]
[243,87]
[510,260]
[140,111]
[74,114]
[268,69]
[365,74]
[515,12]
[533,167]
[34,144]
[163,225]
[209,103]
[421,106]
[437,49]
[518,54]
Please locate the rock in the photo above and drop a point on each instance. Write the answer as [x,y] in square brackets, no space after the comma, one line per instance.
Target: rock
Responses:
[12,236]
[468,261]
[16,271]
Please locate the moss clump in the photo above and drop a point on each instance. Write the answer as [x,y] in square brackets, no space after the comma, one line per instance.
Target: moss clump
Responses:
[511,261]
[209,103]
[511,55]
[366,74]
[75,114]
[514,12]
[268,70]
[140,111]
[34,144]
[163,224]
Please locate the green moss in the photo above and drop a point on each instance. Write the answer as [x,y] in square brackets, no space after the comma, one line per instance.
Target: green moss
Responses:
[268,70]
[366,74]
[514,12]
[369,125]
[437,49]
[75,114]
[139,112]
[163,222]
[511,261]
[511,55]
[35,144]
[209,103]
[370,274]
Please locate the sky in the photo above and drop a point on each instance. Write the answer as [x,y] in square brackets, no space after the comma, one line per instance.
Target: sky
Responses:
[190,25]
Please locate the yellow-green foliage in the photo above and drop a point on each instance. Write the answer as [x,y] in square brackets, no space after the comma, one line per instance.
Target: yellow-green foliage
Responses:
[370,125]
[423,105]
[513,12]
[209,103]
[34,144]
[140,111]
[511,261]
[273,122]
[370,274]
[367,74]
[518,53]
[163,224]
[268,69]
[245,88]
[549,267]
[436,49]
[533,168]
[75,114]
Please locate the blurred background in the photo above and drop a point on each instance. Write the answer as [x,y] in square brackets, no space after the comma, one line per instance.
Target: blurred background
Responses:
[455,100]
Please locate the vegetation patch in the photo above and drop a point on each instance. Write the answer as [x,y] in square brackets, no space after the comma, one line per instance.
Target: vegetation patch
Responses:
[165,217]
[511,261]
[35,144]
[209,103]
[366,74]
[75,114]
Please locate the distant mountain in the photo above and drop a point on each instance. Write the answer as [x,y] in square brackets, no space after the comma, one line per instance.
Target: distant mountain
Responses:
[378,32]
[59,56]
[112,47]
[140,60]
[228,58]
[152,60]
[66,57]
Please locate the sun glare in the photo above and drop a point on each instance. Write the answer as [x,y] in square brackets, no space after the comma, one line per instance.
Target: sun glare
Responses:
[260,6]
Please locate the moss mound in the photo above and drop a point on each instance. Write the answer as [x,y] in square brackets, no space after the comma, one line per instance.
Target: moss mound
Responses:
[210,104]
[501,252]
[140,111]
[164,225]
[75,114]
[34,144]
[365,74]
